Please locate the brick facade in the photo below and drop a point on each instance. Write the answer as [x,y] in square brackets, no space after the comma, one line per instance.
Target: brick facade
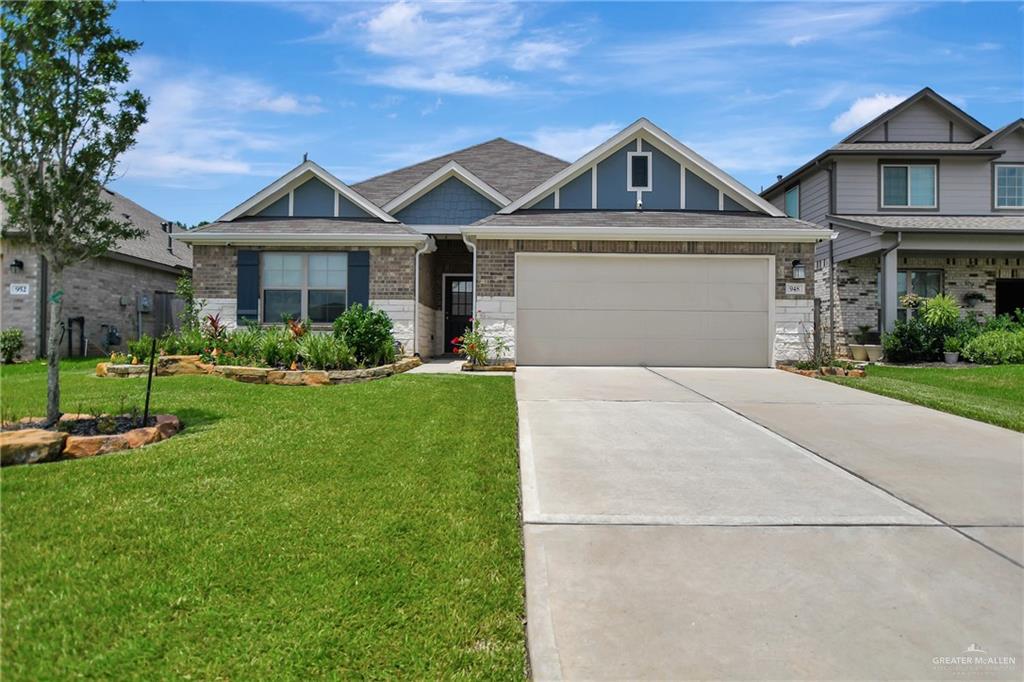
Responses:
[856,293]
[104,291]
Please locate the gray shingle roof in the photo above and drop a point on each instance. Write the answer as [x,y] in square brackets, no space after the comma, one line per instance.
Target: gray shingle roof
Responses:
[904,146]
[691,219]
[510,168]
[1011,224]
[338,226]
[152,246]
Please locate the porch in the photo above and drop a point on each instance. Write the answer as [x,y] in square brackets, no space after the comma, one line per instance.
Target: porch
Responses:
[445,303]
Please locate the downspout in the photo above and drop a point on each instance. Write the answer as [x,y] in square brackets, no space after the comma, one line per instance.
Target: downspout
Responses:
[885,281]
[471,245]
[429,246]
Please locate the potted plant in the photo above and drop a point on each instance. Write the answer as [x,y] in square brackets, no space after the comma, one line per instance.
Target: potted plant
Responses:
[872,342]
[857,351]
[971,298]
[951,347]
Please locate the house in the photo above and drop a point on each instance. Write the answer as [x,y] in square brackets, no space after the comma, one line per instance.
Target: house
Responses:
[923,199]
[107,300]
[640,252]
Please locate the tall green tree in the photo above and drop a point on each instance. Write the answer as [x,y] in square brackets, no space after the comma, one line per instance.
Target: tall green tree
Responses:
[66,115]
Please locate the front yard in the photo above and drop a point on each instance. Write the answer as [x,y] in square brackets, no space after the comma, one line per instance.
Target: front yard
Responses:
[989,394]
[368,530]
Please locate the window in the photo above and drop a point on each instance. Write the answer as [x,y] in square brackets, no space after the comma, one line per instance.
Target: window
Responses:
[924,283]
[1009,186]
[639,169]
[310,286]
[908,186]
[793,202]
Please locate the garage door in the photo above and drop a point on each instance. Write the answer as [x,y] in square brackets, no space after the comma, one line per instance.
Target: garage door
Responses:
[701,311]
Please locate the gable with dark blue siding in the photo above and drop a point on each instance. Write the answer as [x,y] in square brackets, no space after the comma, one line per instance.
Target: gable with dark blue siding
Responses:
[664,192]
[451,203]
[313,199]
[278,209]
[576,193]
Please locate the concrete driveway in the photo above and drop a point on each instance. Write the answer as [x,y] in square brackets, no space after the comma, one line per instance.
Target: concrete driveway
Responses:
[755,524]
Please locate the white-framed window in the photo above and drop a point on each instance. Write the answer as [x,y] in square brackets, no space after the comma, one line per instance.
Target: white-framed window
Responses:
[1009,185]
[793,201]
[302,286]
[638,171]
[909,185]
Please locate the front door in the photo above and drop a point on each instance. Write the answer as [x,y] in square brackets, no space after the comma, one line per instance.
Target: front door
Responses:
[458,307]
[1009,295]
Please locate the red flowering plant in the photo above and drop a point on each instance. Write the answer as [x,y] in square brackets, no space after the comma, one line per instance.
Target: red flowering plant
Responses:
[476,347]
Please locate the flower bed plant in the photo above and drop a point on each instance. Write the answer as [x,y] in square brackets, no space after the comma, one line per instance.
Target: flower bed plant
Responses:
[938,328]
[479,350]
[11,343]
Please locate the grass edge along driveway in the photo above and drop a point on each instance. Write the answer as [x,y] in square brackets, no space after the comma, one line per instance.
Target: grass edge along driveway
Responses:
[368,530]
[989,394]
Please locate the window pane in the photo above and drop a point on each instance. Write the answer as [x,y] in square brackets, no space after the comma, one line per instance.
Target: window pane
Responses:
[276,304]
[922,185]
[926,283]
[894,186]
[282,270]
[639,171]
[901,284]
[326,306]
[328,270]
[1010,186]
[793,203]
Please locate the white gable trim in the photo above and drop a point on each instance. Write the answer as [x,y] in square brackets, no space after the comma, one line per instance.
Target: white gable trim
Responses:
[293,178]
[686,157]
[449,170]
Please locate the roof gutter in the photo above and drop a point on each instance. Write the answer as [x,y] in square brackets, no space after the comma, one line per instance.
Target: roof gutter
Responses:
[661,234]
[306,239]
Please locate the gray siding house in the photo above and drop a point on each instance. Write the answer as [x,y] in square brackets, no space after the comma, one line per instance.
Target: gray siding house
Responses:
[922,199]
[640,252]
[130,290]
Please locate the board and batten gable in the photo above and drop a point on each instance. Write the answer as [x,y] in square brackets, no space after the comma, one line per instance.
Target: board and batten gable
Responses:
[312,199]
[452,202]
[923,121]
[666,193]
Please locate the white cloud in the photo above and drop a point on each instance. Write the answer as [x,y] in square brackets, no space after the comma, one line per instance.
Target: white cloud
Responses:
[530,55]
[203,123]
[863,110]
[413,78]
[570,143]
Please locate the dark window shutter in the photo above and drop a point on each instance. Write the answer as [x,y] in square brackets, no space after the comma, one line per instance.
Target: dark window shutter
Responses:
[359,277]
[248,286]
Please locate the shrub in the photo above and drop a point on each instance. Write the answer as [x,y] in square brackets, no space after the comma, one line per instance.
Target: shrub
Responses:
[996,348]
[11,343]
[367,333]
[277,348]
[189,314]
[952,344]
[186,342]
[940,311]
[141,347]
[910,341]
[244,344]
[324,351]
[1007,323]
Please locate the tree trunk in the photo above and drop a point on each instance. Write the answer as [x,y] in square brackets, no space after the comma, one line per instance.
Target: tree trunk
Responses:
[56,303]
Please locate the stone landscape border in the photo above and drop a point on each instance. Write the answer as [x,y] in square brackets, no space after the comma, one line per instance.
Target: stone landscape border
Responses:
[824,371]
[174,365]
[32,446]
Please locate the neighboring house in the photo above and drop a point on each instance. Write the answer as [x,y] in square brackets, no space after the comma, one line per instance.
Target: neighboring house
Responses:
[121,294]
[923,199]
[640,252]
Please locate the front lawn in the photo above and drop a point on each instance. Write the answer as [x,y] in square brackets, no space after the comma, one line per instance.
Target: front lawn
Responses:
[368,530]
[989,394]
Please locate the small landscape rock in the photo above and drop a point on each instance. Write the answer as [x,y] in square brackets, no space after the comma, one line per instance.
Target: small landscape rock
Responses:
[29,446]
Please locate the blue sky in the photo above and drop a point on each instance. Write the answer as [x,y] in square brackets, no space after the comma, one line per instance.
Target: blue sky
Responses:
[240,91]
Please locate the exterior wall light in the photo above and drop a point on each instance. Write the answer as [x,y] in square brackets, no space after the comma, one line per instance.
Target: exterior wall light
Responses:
[17,265]
[798,270]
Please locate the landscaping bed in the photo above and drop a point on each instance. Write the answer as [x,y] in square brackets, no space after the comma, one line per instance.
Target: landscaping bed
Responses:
[178,365]
[497,367]
[30,441]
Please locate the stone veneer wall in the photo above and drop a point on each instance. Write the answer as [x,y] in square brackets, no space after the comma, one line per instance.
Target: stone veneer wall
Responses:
[93,289]
[391,281]
[794,314]
[856,285]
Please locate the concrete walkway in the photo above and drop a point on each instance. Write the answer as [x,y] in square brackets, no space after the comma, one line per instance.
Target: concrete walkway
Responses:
[755,524]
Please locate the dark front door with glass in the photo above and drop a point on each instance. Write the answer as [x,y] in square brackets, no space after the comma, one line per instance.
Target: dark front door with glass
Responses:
[458,308]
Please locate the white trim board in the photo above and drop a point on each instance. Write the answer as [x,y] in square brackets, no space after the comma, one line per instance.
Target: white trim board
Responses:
[449,170]
[292,179]
[675,149]
[291,238]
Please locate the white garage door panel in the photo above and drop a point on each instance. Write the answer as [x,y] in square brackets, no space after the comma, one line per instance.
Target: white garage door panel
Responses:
[654,310]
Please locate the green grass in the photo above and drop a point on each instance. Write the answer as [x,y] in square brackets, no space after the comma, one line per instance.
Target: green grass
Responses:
[365,531]
[989,394]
